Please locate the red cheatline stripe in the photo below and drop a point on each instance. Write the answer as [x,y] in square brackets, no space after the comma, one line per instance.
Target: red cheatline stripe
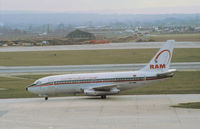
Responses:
[98,82]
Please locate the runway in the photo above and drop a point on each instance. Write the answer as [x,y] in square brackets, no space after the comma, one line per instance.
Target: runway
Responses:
[130,45]
[185,66]
[116,112]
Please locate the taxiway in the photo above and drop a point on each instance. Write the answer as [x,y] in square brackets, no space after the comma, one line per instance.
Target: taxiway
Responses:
[184,66]
[116,112]
[130,45]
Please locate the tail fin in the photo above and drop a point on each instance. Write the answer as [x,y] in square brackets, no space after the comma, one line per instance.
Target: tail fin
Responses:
[161,61]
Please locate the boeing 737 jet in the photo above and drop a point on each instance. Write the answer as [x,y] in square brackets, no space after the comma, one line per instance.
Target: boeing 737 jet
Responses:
[107,83]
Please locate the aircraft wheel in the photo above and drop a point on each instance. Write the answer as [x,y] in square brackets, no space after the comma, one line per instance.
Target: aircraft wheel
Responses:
[46,98]
[103,97]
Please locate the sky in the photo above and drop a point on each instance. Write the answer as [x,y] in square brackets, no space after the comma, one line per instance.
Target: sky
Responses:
[103,6]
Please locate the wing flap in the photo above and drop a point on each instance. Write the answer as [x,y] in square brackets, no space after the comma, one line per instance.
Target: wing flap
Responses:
[109,89]
[104,87]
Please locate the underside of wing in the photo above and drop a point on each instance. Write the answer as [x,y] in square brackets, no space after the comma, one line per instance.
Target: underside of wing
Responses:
[105,89]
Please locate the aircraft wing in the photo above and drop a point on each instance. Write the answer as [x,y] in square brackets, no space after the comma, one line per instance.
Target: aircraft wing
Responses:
[103,87]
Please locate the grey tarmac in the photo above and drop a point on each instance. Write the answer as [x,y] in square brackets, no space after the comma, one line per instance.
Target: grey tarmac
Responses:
[130,45]
[115,112]
[184,66]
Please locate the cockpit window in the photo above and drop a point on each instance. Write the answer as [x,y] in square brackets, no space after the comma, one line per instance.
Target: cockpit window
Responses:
[38,82]
[35,83]
[32,85]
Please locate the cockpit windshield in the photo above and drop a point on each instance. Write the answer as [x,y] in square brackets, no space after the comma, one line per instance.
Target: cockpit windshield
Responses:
[35,83]
[38,83]
[31,85]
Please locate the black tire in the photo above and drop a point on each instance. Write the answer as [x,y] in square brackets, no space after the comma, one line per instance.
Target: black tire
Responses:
[103,97]
[46,98]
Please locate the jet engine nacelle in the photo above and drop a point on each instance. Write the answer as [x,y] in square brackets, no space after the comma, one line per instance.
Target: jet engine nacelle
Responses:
[92,92]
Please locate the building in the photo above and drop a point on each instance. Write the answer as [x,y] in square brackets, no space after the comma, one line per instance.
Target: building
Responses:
[26,44]
[45,42]
[78,34]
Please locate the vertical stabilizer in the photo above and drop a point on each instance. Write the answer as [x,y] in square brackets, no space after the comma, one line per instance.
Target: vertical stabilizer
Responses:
[161,61]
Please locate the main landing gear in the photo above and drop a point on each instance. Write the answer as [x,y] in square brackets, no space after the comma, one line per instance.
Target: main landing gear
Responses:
[46,98]
[103,97]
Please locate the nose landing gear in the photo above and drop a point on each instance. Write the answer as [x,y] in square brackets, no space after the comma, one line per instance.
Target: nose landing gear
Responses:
[46,98]
[103,97]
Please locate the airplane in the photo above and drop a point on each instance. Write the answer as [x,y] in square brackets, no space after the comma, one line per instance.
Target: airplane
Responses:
[107,83]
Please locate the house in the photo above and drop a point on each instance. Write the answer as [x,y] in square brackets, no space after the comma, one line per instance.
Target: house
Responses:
[45,42]
[78,34]
[5,45]
[27,44]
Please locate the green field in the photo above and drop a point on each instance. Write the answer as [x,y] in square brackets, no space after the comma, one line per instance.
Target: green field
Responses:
[85,57]
[178,37]
[182,83]
[195,105]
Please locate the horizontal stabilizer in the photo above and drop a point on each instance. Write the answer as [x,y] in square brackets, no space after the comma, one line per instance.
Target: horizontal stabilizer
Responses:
[170,72]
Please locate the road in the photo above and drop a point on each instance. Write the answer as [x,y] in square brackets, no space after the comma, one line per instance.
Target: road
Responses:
[130,45]
[116,112]
[91,68]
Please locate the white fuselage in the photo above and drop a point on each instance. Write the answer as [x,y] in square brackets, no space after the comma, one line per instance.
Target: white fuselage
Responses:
[108,83]
[76,83]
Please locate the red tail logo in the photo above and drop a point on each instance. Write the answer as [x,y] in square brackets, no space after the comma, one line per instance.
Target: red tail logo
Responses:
[166,50]
[157,66]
